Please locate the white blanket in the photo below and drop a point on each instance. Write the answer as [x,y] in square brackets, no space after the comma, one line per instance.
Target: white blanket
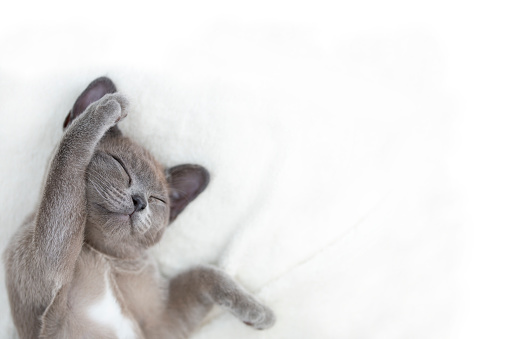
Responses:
[325,143]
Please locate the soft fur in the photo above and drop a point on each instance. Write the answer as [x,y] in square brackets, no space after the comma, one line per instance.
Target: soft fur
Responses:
[105,201]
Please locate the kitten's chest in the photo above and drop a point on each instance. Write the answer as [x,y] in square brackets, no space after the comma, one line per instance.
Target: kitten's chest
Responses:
[120,300]
[142,294]
[107,309]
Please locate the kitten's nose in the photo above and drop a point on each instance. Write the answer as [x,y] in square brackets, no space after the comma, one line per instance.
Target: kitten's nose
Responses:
[139,203]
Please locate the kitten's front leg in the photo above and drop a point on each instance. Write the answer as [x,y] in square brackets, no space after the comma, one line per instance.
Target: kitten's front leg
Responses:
[193,293]
[61,216]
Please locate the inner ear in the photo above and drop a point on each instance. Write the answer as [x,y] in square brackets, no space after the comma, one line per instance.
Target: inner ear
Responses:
[186,183]
[95,91]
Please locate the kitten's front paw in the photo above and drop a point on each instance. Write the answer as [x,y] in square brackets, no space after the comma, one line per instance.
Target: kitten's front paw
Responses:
[113,107]
[259,316]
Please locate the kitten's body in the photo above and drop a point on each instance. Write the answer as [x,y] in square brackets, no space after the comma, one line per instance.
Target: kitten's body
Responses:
[78,267]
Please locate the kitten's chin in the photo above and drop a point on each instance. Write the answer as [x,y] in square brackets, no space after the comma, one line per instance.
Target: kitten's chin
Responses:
[123,223]
[139,224]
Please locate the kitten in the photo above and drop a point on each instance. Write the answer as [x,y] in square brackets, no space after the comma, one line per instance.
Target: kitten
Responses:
[78,267]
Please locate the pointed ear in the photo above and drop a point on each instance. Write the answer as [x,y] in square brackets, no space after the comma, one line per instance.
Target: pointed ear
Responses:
[95,91]
[186,183]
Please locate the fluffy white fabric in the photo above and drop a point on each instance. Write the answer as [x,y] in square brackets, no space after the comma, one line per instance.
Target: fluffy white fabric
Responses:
[325,140]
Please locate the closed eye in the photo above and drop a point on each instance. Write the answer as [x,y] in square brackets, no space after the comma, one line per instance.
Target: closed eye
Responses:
[123,166]
[160,199]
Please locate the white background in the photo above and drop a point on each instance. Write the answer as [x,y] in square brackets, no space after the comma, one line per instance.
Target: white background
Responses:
[432,74]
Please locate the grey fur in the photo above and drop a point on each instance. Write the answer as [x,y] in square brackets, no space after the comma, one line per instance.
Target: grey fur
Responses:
[104,202]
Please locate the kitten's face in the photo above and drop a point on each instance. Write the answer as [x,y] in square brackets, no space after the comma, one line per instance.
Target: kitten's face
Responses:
[128,198]
[131,198]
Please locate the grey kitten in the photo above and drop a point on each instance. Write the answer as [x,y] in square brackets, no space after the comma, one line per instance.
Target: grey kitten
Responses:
[78,267]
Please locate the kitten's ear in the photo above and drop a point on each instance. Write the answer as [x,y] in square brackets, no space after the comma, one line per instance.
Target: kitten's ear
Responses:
[186,183]
[95,91]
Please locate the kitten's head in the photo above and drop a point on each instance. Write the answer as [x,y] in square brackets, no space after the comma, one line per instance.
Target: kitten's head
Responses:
[131,197]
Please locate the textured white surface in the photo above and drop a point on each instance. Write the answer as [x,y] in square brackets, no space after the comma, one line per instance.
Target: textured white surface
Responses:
[326,129]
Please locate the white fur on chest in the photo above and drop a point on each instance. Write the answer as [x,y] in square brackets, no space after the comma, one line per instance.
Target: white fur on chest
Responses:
[106,311]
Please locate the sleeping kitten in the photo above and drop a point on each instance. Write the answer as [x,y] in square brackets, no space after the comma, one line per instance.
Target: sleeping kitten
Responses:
[78,267]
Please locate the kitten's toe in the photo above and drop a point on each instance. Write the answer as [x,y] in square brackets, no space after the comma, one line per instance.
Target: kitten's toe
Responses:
[115,106]
[110,108]
[124,104]
[122,100]
[260,317]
